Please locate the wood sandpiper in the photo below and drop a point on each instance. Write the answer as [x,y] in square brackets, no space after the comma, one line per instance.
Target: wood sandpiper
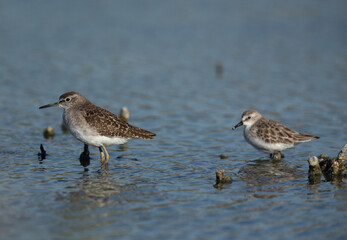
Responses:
[94,125]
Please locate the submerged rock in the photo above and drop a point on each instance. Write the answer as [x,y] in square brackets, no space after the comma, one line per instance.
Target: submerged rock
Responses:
[48,132]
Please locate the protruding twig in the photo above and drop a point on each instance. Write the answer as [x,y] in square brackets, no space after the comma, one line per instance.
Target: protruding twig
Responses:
[42,154]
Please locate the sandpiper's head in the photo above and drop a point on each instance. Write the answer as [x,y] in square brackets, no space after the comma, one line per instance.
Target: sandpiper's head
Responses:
[67,100]
[248,118]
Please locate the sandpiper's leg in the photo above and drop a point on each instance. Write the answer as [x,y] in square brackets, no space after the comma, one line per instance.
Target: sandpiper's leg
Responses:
[84,157]
[102,156]
[107,155]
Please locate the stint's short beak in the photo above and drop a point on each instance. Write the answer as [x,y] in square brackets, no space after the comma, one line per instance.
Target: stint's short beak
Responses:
[50,105]
[238,125]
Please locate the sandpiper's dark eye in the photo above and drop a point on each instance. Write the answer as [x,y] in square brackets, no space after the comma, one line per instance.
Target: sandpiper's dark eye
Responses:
[249,117]
[67,99]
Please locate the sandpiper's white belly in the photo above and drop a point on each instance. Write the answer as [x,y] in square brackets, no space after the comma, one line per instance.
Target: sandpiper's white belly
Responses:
[91,137]
[263,146]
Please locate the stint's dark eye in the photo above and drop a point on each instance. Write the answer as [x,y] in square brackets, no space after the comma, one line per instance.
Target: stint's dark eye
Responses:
[67,99]
[249,117]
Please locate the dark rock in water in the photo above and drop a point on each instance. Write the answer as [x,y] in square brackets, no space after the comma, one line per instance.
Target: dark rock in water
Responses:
[324,164]
[314,172]
[323,156]
[342,161]
[222,179]
[335,166]
[333,170]
[342,156]
[314,178]
[223,156]
[84,157]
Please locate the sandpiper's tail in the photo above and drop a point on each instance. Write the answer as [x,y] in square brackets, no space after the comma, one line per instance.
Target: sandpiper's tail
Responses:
[141,133]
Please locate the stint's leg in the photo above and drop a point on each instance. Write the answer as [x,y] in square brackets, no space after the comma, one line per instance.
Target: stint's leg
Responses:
[107,155]
[282,154]
[277,155]
[102,156]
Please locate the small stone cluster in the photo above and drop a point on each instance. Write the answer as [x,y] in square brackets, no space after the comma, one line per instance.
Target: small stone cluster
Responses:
[332,169]
[222,179]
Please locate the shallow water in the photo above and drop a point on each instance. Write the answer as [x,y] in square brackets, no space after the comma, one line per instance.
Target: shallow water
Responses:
[285,59]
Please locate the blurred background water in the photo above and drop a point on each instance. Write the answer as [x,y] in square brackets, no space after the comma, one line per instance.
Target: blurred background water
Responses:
[287,59]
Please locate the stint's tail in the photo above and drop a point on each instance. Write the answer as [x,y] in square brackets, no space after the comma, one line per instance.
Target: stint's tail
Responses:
[305,138]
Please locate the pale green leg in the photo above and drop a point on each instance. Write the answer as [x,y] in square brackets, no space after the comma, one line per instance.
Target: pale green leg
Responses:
[107,155]
[102,156]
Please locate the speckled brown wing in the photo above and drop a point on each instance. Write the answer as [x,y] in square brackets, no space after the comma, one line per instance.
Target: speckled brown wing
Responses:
[275,132]
[108,124]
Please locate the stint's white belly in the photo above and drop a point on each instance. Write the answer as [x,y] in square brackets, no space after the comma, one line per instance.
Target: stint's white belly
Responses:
[262,146]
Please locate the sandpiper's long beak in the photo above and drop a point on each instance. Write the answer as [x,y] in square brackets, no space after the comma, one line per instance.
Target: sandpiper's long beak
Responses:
[50,105]
[238,125]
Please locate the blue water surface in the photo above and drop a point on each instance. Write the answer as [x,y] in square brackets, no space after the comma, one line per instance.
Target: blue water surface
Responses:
[186,70]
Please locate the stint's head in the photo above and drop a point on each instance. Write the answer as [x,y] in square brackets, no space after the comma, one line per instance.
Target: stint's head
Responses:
[248,118]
